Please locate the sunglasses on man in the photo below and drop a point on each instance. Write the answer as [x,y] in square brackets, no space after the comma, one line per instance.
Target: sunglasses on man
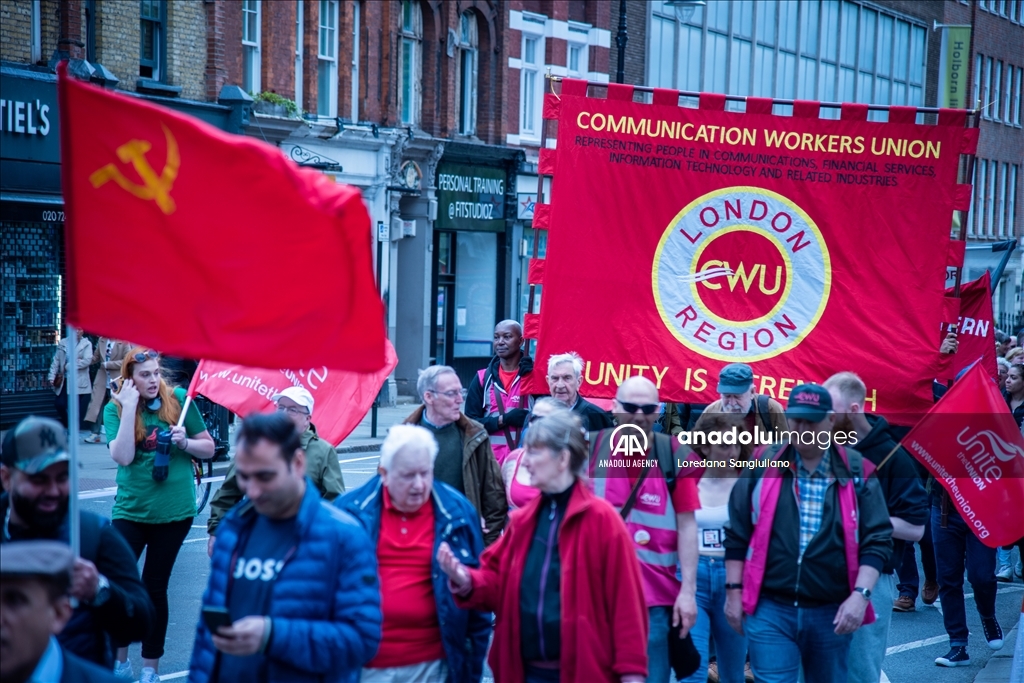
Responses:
[646,408]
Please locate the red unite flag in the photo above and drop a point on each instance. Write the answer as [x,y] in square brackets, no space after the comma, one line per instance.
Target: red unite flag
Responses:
[971,445]
[204,244]
[340,398]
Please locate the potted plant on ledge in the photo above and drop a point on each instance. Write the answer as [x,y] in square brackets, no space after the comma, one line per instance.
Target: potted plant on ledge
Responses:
[272,104]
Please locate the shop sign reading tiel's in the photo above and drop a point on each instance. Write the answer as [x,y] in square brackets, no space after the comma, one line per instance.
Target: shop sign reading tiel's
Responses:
[28,119]
[470,198]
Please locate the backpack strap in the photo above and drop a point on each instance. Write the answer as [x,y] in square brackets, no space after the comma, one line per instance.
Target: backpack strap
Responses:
[761,401]
[666,459]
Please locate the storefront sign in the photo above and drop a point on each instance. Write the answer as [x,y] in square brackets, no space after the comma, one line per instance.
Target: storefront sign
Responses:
[953,67]
[525,202]
[471,198]
[28,118]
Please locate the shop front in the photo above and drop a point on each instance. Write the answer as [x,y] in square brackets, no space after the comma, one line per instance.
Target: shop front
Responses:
[32,282]
[471,281]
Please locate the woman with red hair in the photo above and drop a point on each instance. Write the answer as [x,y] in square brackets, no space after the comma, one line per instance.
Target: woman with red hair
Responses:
[155,500]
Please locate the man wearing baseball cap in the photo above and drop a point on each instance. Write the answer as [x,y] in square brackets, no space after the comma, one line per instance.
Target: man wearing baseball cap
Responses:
[321,459]
[112,601]
[35,580]
[807,537]
[736,395]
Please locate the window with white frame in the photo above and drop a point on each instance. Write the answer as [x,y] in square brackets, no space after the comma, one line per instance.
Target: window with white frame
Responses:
[978,219]
[1011,200]
[1007,95]
[1018,94]
[299,18]
[1001,202]
[829,51]
[986,89]
[35,40]
[251,46]
[979,62]
[357,10]
[578,59]
[990,200]
[468,66]
[327,60]
[152,23]
[531,82]
[997,89]
[410,66]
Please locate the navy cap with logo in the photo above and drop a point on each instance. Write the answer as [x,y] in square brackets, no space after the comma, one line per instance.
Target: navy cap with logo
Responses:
[810,402]
[735,378]
[34,444]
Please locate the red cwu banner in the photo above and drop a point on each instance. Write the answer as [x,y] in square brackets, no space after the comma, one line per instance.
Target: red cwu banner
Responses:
[684,239]
[971,445]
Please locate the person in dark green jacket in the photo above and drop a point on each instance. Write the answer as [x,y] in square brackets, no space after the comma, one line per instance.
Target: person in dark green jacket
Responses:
[321,459]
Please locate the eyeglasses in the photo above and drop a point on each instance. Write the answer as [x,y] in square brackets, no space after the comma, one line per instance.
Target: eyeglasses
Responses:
[291,410]
[646,409]
[142,357]
[453,394]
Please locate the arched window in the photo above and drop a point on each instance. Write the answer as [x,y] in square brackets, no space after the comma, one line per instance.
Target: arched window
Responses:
[410,66]
[468,61]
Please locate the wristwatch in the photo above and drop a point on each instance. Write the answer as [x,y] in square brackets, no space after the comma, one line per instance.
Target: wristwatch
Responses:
[866,592]
[102,592]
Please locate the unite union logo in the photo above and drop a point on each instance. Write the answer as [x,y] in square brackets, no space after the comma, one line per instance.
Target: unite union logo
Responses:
[741,274]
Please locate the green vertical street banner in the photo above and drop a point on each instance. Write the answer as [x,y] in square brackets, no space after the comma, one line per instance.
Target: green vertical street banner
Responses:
[954,65]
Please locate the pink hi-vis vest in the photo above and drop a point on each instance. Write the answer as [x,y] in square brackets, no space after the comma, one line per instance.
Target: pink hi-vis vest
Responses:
[651,523]
[511,398]
[763,517]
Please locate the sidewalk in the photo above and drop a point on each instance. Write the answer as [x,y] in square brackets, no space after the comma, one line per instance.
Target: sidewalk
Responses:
[997,669]
[361,441]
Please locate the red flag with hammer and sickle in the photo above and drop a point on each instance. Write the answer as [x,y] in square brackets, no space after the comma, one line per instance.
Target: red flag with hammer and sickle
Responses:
[204,244]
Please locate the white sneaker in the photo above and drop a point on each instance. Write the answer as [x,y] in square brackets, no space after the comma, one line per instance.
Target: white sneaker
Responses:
[1005,573]
[149,675]
[124,670]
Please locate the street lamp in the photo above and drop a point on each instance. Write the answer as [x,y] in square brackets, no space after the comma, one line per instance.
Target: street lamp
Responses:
[685,8]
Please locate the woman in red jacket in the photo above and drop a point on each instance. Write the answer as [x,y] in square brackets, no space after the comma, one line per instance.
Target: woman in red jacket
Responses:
[563,580]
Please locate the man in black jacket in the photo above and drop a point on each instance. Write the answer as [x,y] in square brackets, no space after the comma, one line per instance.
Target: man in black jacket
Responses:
[112,602]
[801,608]
[565,375]
[906,501]
[35,577]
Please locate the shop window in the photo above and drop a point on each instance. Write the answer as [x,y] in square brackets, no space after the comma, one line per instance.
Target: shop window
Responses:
[251,46]
[31,288]
[468,67]
[327,60]
[476,293]
[152,25]
[410,66]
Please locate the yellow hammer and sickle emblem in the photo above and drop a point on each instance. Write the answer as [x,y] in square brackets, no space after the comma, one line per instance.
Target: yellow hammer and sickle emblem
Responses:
[157,188]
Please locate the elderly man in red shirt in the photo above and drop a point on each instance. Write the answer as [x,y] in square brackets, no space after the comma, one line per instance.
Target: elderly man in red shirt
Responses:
[408,515]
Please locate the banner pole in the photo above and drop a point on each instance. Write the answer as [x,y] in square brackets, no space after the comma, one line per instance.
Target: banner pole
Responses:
[73,432]
[542,198]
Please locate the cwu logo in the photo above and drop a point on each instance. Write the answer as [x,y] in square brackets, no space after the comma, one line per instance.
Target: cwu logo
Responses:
[741,274]
[629,440]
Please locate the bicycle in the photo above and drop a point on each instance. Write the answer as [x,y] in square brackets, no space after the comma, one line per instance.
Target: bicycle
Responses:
[203,470]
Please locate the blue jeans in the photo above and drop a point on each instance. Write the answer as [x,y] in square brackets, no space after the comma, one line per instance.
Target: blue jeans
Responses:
[909,579]
[867,649]
[731,647]
[781,637]
[955,544]
[658,669]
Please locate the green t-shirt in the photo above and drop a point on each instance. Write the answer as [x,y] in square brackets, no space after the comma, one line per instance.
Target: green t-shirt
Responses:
[139,497]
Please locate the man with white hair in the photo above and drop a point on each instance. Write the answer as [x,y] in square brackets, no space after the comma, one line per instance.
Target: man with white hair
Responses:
[565,375]
[465,460]
[407,515]
[321,460]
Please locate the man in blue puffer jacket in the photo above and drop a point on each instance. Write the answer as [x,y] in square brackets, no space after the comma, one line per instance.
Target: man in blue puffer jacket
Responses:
[426,638]
[297,576]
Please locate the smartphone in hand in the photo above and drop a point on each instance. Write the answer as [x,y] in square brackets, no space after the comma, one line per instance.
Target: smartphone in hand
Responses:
[215,617]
